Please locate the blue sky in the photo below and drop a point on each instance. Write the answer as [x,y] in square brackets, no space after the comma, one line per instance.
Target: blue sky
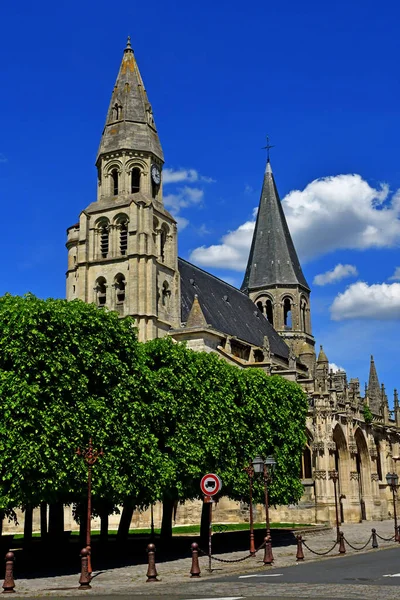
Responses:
[322,79]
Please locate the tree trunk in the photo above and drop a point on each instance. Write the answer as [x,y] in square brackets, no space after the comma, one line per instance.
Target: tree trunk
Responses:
[104,524]
[43,520]
[28,522]
[166,523]
[56,520]
[125,522]
[204,525]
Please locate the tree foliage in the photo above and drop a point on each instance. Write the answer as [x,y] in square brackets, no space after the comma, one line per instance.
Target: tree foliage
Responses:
[165,415]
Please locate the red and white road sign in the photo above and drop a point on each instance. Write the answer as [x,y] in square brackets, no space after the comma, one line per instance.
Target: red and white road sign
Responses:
[210,484]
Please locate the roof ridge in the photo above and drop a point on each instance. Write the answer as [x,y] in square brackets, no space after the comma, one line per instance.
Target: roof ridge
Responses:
[214,276]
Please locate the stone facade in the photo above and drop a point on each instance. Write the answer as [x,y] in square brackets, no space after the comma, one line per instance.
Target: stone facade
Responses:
[122,255]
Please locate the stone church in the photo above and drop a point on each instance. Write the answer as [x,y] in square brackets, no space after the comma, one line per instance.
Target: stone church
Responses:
[122,254]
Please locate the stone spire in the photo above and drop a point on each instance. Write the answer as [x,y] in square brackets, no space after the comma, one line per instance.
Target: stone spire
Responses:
[130,122]
[273,259]
[274,279]
[322,358]
[374,389]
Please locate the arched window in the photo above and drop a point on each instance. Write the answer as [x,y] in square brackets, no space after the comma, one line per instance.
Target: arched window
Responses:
[287,313]
[378,459]
[260,306]
[114,182]
[123,237]
[306,463]
[104,232]
[119,284]
[101,291]
[166,294]
[135,180]
[303,314]
[163,240]
[270,311]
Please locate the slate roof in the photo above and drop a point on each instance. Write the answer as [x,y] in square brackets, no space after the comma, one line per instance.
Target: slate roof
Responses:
[133,126]
[273,259]
[226,308]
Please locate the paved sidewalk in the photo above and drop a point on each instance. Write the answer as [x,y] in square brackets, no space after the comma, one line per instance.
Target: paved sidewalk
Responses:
[132,579]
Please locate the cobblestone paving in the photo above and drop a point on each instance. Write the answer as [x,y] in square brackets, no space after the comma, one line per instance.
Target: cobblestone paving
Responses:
[174,575]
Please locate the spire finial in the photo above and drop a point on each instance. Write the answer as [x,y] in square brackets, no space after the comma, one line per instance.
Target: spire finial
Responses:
[128,47]
[267,148]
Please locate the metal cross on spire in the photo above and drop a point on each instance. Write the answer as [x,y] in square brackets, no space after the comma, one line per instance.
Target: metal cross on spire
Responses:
[268,147]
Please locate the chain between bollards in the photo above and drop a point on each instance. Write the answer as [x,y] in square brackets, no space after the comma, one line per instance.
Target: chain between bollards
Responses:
[9,584]
[195,569]
[85,578]
[151,571]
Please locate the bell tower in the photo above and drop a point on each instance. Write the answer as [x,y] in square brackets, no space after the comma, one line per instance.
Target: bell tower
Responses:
[122,254]
[274,279]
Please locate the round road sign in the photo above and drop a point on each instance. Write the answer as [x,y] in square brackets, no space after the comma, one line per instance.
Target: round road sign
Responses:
[210,484]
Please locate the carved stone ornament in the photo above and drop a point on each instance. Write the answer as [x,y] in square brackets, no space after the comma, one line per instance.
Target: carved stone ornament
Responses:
[331,446]
[318,446]
[354,476]
[374,477]
[373,452]
[353,447]
[319,474]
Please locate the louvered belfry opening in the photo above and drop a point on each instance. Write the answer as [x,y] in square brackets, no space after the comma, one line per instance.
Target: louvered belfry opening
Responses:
[123,238]
[104,240]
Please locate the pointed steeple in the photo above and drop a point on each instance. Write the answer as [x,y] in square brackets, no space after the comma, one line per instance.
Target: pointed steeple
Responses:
[374,389]
[130,121]
[322,358]
[273,259]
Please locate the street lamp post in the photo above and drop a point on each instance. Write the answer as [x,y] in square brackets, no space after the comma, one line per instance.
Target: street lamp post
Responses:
[266,467]
[90,456]
[250,472]
[334,475]
[393,480]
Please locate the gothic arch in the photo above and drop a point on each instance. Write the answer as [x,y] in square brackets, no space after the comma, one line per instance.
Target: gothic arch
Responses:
[363,464]
[307,459]
[342,460]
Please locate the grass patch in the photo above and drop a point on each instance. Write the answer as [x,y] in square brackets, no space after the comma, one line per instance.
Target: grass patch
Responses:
[189,529]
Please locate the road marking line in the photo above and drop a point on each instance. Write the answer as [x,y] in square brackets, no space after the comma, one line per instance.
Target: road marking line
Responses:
[394,575]
[269,575]
[223,598]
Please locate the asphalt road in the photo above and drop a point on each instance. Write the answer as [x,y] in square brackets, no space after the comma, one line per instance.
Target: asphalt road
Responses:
[368,576]
[374,568]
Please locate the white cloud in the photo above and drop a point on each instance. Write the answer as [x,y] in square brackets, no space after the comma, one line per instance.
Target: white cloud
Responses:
[232,253]
[337,274]
[329,214]
[335,368]
[396,275]
[362,301]
[183,198]
[181,175]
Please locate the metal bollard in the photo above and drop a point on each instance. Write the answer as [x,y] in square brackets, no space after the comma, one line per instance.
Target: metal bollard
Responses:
[195,569]
[9,584]
[151,571]
[268,556]
[299,553]
[84,579]
[374,539]
[342,547]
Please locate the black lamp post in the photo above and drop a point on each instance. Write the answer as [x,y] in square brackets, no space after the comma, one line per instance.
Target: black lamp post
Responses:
[392,481]
[266,467]
[334,476]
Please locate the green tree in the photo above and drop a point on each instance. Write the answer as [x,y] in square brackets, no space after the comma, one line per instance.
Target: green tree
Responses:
[69,371]
[211,416]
